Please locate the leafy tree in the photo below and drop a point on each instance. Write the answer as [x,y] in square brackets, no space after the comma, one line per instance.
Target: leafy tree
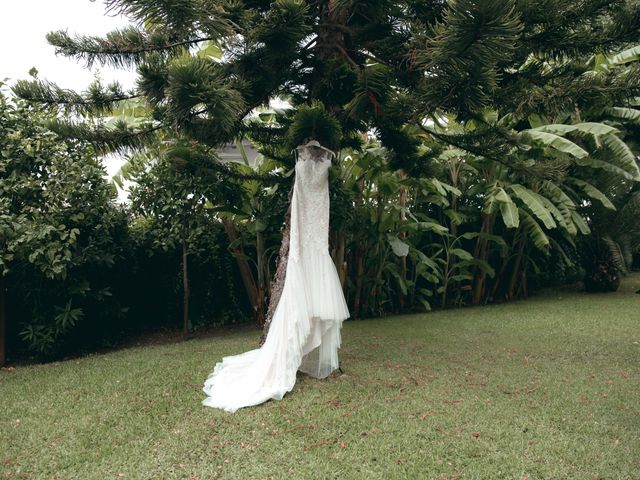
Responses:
[59,228]
[175,193]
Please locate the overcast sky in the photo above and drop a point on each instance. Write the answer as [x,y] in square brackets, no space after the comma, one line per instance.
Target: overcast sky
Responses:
[23,44]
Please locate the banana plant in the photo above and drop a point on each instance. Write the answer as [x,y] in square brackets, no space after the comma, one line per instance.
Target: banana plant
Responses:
[537,189]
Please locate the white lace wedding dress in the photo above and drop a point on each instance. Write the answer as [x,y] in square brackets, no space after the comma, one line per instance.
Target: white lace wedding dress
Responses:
[305,329]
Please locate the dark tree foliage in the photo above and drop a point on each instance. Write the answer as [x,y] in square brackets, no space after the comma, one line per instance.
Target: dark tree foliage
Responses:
[61,237]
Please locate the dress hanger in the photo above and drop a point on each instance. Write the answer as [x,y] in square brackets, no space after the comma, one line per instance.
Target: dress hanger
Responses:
[315,143]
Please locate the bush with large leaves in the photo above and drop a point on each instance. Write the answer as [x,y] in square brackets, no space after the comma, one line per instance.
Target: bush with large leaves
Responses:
[61,235]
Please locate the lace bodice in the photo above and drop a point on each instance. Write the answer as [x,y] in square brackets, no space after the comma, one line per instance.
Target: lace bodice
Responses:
[310,203]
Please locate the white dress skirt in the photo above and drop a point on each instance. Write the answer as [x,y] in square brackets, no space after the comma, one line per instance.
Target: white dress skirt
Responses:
[305,329]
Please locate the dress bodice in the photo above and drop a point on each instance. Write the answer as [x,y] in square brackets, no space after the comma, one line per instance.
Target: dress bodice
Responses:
[310,202]
[312,169]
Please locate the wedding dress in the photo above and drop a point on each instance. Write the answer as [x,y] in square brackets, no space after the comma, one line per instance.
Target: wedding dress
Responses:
[305,329]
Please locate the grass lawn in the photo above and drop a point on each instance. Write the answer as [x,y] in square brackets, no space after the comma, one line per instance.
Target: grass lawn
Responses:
[547,388]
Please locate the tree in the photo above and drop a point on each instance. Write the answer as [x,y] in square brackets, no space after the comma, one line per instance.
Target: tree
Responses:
[59,228]
[178,201]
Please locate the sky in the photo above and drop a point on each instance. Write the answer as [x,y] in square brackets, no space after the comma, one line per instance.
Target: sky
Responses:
[23,45]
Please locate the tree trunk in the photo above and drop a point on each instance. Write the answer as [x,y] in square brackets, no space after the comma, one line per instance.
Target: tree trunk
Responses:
[329,45]
[454,176]
[3,319]
[516,272]
[403,235]
[185,289]
[482,252]
[500,276]
[243,265]
[341,264]
[260,261]
[330,49]
[524,287]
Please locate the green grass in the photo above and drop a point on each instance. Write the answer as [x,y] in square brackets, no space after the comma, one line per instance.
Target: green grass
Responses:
[549,386]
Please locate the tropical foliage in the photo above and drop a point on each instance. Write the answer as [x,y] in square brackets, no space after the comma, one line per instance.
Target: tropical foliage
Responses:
[485,148]
[59,230]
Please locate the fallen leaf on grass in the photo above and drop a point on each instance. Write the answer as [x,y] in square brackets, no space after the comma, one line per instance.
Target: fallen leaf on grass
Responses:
[317,444]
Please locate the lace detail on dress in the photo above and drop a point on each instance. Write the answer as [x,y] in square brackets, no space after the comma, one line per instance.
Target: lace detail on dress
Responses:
[310,203]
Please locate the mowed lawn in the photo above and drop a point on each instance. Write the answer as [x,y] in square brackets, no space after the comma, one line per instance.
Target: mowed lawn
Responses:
[547,388]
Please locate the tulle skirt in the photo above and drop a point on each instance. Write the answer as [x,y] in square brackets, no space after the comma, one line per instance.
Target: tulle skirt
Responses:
[304,335]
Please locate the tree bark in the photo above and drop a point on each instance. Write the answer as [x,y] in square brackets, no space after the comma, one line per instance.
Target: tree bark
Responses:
[403,235]
[330,43]
[516,272]
[260,261]
[341,264]
[245,271]
[358,286]
[482,252]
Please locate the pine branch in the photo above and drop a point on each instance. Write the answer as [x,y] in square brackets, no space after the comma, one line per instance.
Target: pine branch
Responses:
[472,32]
[207,162]
[175,14]
[285,25]
[179,17]
[96,99]
[461,54]
[578,28]
[121,48]
[119,137]
[492,145]
[589,91]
